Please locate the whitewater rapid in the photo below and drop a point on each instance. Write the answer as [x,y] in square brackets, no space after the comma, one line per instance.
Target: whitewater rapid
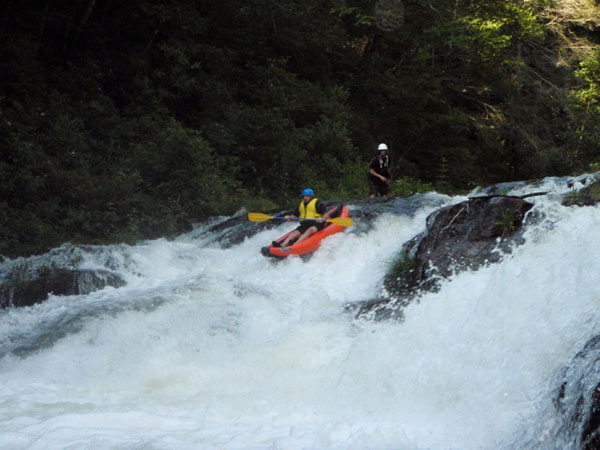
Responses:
[213,348]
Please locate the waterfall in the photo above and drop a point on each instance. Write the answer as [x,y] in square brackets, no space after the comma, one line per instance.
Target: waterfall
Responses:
[208,347]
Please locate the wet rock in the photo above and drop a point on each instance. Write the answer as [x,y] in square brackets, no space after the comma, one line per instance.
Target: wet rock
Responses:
[466,235]
[377,309]
[587,194]
[29,290]
[578,398]
[458,237]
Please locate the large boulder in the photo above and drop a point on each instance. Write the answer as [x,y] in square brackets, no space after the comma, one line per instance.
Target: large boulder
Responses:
[28,290]
[466,235]
[578,398]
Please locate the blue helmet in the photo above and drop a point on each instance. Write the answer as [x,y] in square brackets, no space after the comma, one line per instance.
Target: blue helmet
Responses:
[308,191]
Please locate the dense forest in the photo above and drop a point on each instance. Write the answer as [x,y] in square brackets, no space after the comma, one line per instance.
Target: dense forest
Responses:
[129,120]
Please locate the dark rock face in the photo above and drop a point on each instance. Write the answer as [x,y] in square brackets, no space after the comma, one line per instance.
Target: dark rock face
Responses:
[463,236]
[589,195]
[28,291]
[578,398]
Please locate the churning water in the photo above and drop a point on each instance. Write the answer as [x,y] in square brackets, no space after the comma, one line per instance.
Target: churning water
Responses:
[212,348]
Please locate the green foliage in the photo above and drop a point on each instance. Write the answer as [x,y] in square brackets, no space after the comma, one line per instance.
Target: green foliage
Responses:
[507,222]
[586,101]
[143,117]
[589,195]
[353,181]
[407,186]
[589,75]
[252,203]
[594,192]
[343,9]
[402,275]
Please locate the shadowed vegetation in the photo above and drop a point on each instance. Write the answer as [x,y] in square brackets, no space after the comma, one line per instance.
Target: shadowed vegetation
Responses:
[129,120]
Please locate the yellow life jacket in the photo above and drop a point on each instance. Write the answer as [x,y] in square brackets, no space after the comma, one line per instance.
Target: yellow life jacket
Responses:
[309,211]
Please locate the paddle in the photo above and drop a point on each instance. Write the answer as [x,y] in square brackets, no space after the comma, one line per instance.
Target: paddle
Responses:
[260,217]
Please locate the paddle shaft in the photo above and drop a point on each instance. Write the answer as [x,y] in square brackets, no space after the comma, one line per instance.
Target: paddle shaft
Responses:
[260,217]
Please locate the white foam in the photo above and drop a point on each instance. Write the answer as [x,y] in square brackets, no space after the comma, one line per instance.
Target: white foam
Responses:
[243,352]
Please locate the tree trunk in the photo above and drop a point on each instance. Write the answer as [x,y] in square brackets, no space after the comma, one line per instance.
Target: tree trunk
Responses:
[44,18]
[70,24]
[88,12]
[6,16]
[84,19]
[106,8]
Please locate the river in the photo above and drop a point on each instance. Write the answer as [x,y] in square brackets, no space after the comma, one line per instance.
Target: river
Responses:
[221,348]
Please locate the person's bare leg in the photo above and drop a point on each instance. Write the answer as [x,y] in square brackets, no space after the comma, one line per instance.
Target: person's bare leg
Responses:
[293,235]
[307,233]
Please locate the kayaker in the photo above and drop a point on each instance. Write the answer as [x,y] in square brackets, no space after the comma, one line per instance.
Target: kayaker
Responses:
[379,174]
[309,208]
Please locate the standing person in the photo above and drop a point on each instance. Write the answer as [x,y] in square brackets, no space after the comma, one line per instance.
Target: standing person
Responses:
[309,208]
[379,173]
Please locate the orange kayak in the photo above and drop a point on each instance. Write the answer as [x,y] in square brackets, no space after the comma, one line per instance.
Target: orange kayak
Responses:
[308,245]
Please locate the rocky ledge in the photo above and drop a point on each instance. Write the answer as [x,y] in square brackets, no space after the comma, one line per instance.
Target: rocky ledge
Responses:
[26,290]
[578,397]
[466,235]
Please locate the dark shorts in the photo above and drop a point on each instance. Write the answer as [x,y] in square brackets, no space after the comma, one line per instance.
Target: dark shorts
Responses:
[309,223]
[378,187]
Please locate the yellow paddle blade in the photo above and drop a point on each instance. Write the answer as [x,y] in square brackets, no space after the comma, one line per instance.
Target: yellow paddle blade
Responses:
[258,217]
[341,221]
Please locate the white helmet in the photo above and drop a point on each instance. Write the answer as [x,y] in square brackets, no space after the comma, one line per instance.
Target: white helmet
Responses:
[382,147]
